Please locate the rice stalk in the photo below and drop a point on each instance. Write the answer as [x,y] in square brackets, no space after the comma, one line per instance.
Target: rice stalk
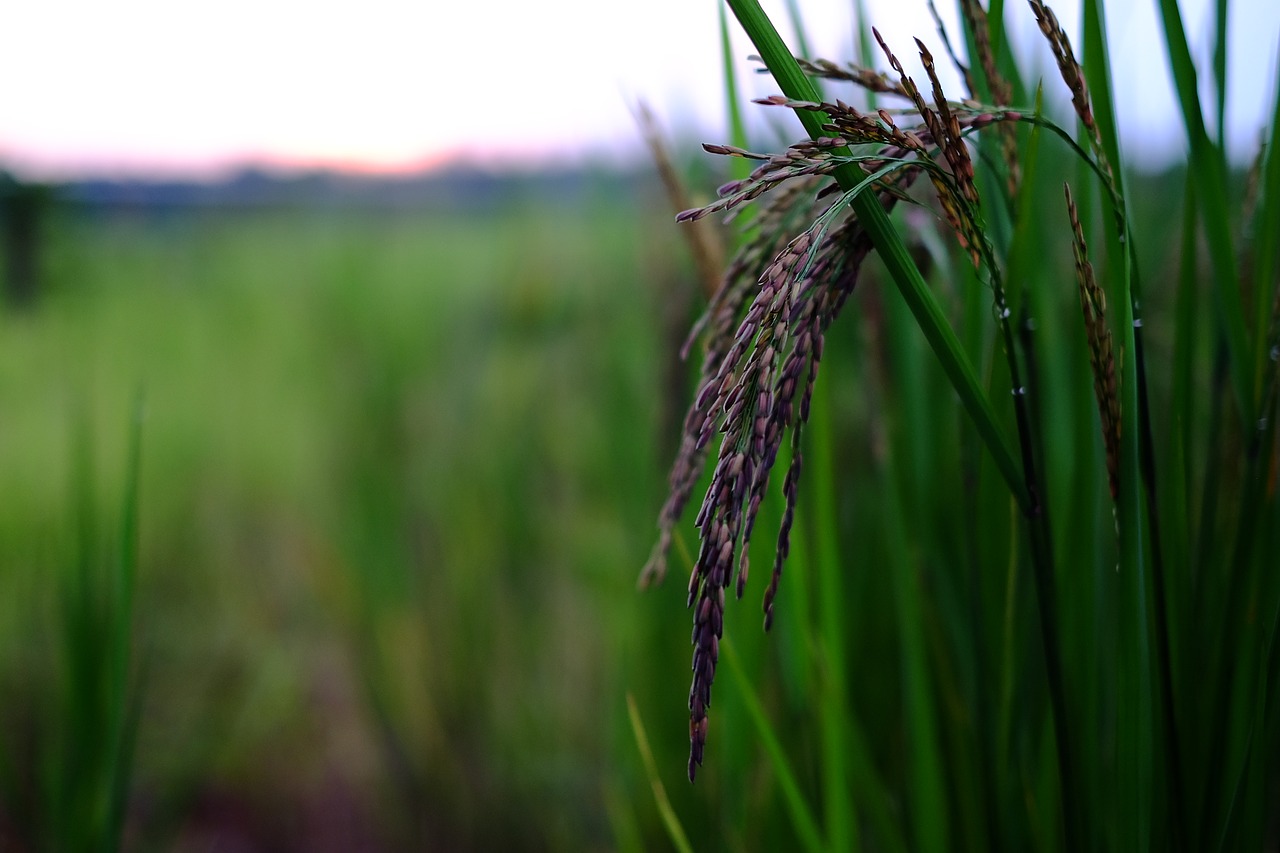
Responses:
[1093,304]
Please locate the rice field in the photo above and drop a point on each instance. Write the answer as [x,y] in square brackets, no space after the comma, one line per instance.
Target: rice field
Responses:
[321,526]
[398,474]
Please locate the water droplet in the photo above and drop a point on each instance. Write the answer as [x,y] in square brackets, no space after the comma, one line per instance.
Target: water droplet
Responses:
[1137,323]
[1019,391]
[1004,313]
[1262,424]
[1030,324]
[1275,353]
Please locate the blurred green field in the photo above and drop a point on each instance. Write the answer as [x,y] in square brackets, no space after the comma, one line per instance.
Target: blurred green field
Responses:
[399,473]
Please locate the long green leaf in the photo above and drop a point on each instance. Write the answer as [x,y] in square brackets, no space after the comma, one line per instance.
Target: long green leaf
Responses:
[1266,249]
[1220,72]
[125,704]
[833,704]
[863,51]
[796,20]
[801,817]
[1209,169]
[732,102]
[927,775]
[1131,810]
[675,830]
[1188,343]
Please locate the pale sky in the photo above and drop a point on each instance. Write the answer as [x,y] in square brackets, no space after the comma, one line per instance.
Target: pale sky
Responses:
[191,88]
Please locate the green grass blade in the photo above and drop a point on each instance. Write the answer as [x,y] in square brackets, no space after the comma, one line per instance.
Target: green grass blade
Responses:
[1005,59]
[621,811]
[796,19]
[868,789]
[87,752]
[669,818]
[930,825]
[74,779]
[802,818]
[732,100]
[1141,563]
[828,570]
[1220,72]
[1209,169]
[1188,350]
[123,719]
[1266,250]
[995,23]
[864,52]
[1097,67]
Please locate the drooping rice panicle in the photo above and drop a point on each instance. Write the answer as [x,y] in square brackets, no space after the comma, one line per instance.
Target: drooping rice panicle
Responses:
[866,78]
[953,147]
[774,222]
[764,343]
[1093,303]
[1000,88]
[944,128]
[1073,77]
[778,339]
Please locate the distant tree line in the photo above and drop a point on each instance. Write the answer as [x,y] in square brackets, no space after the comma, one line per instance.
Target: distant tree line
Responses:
[24,209]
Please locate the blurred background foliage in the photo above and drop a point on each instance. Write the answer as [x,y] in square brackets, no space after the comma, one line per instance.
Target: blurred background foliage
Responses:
[399,473]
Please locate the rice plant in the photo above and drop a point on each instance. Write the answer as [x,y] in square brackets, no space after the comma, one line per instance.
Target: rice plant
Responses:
[1061,472]
[67,760]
